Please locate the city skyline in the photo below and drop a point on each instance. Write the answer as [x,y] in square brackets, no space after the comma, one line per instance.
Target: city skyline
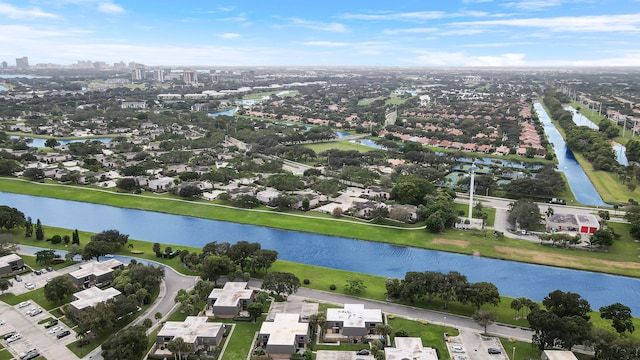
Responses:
[358,33]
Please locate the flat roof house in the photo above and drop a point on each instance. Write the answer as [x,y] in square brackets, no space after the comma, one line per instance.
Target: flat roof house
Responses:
[353,320]
[284,336]
[231,299]
[557,355]
[409,348]
[582,223]
[95,273]
[194,330]
[90,297]
[10,263]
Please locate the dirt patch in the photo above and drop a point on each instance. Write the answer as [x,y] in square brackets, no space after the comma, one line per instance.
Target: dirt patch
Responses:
[540,257]
[459,243]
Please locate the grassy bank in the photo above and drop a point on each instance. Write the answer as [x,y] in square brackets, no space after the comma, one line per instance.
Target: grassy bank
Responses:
[621,259]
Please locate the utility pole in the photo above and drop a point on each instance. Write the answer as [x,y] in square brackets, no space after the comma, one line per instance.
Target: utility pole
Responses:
[471,186]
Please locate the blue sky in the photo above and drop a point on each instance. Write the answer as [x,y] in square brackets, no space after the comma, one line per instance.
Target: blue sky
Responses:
[324,32]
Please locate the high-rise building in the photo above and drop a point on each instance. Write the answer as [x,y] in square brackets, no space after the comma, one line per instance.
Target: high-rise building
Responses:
[138,74]
[189,77]
[5,65]
[159,75]
[213,76]
[22,63]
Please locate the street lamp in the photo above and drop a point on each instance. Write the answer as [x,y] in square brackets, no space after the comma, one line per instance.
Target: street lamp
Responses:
[513,356]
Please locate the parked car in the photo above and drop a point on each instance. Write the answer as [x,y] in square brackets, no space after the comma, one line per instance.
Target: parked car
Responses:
[37,272]
[49,269]
[457,349]
[362,352]
[18,278]
[51,323]
[63,334]
[55,329]
[29,286]
[24,304]
[36,312]
[8,335]
[494,351]
[1,322]
[31,355]
[43,271]
[15,337]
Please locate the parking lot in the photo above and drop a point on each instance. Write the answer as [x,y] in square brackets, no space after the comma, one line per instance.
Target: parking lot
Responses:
[38,281]
[32,335]
[469,345]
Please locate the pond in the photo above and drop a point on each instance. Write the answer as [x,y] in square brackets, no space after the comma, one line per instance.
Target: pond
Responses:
[39,143]
[512,278]
[228,112]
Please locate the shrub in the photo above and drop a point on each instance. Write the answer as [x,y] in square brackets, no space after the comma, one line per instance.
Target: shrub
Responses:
[332,287]
[401,333]
[306,281]
[56,239]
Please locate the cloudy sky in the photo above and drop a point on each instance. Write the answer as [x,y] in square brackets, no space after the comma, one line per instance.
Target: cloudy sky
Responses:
[324,32]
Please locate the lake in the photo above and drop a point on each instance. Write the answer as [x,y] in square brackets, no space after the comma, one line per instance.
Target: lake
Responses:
[512,278]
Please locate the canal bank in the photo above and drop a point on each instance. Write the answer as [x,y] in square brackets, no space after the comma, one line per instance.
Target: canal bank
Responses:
[512,278]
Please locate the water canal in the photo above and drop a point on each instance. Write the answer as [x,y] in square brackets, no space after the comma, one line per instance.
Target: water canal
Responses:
[512,278]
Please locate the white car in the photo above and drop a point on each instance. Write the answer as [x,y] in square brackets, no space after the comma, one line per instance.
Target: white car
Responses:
[36,312]
[24,304]
[29,286]
[15,337]
[55,329]
[457,348]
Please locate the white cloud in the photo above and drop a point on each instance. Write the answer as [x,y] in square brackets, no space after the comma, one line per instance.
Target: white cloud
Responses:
[326,43]
[13,12]
[443,58]
[496,44]
[229,36]
[317,25]
[406,16]
[585,24]
[533,5]
[427,30]
[110,8]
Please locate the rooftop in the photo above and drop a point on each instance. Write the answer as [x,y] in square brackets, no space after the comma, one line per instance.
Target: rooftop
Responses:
[230,294]
[190,329]
[95,268]
[91,296]
[283,330]
[409,348]
[5,260]
[354,315]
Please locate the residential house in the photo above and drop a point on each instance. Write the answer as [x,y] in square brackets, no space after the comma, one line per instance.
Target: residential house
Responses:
[10,263]
[409,348]
[95,273]
[161,185]
[284,336]
[233,298]
[194,330]
[353,321]
[90,297]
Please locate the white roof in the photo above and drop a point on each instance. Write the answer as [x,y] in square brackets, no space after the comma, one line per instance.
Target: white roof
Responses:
[409,348]
[95,268]
[230,294]
[354,315]
[5,260]
[192,328]
[92,296]
[284,328]
[559,355]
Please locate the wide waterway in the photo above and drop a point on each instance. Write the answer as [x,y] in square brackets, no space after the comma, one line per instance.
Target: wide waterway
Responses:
[579,182]
[512,278]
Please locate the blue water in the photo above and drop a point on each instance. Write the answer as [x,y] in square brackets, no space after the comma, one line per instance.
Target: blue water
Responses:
[39,143]
[341,134]
[581,120]
[2,88]
[229,112]
[580,185]
[368,143]
[512,278]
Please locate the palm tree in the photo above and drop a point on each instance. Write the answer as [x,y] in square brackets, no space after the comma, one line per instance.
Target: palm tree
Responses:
[177,345]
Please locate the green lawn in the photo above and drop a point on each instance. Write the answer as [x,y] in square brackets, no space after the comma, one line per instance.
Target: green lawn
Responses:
[338,145]
[240,342]
[523,350]
[6,355]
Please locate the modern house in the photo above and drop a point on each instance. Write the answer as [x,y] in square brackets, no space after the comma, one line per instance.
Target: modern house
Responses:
[409,348]
[557,355]
[231,299]
[194,330]
[284,336]
[90,297]
[352,321]
[582,223]
[95,273]
[10,263]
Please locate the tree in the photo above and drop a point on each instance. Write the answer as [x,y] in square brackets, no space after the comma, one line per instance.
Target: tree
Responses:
[484,318]
[620,315]
[51,143]
[281,283]
[34,174]
[128,344]
[255,310]
[11,218]
[481,293]
[75,239]
[524,213]
[516,305]
[95,249]
[263,259]
[59,288]
[147,323]
[28,228]
[45,256]
[177,345]
[354,286]
[241,252]
[157,316]
[452,285]
[602,238]
[128,184]
[39,230]
[156,248]
[4,285]
[215,266]
[113,237]
[567,304]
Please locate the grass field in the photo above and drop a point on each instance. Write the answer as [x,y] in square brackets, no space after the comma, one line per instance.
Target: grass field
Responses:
[338,145]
